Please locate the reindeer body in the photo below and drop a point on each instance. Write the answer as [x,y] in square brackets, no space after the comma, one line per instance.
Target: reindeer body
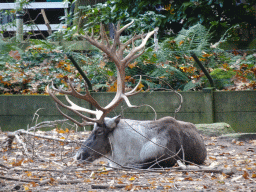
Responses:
[140,144]
[128,142]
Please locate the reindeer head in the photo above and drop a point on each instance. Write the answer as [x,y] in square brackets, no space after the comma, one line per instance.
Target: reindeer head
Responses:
[98,142]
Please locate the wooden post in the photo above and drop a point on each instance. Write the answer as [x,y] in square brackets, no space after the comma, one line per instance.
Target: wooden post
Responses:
[19,22]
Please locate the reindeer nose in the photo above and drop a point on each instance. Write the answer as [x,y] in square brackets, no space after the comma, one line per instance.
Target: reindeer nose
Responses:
[80,155]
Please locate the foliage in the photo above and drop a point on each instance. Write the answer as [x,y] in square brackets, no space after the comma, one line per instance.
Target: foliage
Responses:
[29,71]
[221,15]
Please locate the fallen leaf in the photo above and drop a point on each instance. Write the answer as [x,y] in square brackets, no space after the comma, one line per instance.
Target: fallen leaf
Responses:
[132,179]
[34,184]
[246,175]
[213,158]
[14,164]
[26,187]
[188,179]
[28,173]
[254,175]
[15,54]
[87,180]
[128,187]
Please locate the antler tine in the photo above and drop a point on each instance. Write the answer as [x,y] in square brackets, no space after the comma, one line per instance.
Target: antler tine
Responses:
[75,121]
[103,35]
[128,102]
[74,108]
[117,35]
[132,55]
[119,31]
[58,90]
[87,97]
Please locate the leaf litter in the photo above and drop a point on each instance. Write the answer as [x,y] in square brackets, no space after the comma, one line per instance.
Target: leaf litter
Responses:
[52,167]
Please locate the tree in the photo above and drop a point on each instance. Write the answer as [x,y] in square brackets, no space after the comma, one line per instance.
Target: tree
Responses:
[220,15]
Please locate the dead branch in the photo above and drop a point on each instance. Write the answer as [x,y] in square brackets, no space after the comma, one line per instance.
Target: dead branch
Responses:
[45,124]
[22,180]
[117,186]
[46,21]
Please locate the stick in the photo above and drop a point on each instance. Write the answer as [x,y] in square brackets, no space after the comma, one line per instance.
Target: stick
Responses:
[23,144]
[22,180]
[46,21]
[117,186]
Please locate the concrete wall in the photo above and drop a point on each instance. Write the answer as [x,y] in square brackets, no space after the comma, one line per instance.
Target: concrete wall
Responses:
[236,108]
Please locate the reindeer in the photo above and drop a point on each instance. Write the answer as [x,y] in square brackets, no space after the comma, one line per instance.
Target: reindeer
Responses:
[125,142]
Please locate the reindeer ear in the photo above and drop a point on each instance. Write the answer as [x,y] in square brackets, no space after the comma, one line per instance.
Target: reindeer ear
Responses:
[112,122]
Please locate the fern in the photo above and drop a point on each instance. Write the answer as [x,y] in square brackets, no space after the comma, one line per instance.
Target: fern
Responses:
[196,38]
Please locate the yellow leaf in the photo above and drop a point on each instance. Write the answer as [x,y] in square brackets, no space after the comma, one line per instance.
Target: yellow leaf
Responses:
[202,59]
[181,42]
[248,168]
[104,173]
[132,179]
[60,76]
[60,131]
[62,138]
[68,68]
[28,173]
[207,55]
[140,87]
[26,187]
[113,88]
[132,65]
[254,175]
[67,130]
[4,158]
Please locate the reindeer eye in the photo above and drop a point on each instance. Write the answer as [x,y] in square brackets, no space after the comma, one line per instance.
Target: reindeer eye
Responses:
[99,132]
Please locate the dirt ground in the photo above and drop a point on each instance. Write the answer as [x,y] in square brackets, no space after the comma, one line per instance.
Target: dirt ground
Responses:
[47,165]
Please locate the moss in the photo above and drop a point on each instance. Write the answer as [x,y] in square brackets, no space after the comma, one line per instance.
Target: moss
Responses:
[222,74]
[221,78]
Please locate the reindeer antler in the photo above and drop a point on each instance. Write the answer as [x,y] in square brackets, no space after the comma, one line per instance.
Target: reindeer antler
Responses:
[115,53]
